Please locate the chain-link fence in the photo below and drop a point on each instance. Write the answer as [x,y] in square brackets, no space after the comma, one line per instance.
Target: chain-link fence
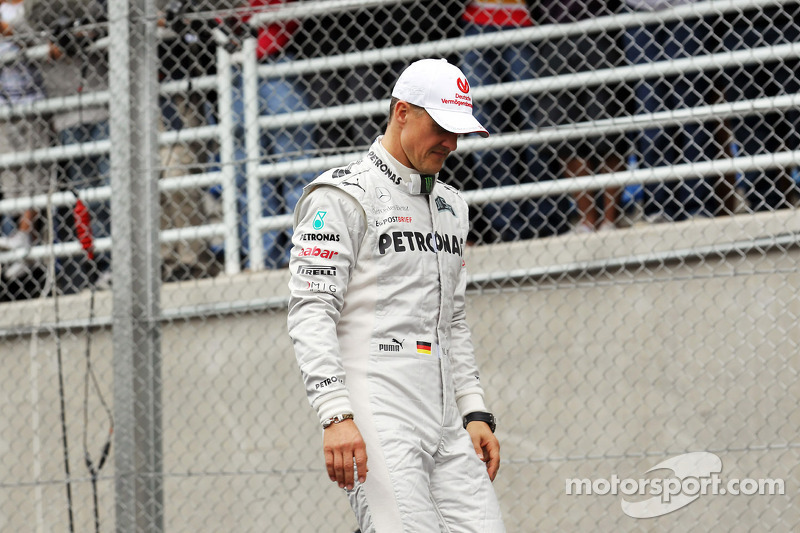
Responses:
[633,269]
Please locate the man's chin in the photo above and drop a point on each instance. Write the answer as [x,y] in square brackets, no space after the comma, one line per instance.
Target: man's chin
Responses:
[430,171]
[432,168]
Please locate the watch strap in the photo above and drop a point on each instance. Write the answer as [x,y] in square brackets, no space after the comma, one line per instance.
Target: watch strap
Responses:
[481,416]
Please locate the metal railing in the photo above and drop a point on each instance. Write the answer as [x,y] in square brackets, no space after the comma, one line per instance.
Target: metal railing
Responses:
[254,124]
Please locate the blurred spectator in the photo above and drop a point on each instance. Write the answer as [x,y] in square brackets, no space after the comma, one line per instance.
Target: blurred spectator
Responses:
[692,142]
[600,49]
[276,96]
[78,67]
[20,83]
[509,220]
[187,51]
[763,132]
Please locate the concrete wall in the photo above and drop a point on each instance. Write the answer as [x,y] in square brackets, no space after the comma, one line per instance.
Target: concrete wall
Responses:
[594,366]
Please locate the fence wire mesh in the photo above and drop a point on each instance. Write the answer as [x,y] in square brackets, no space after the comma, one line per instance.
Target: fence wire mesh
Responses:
[633,263]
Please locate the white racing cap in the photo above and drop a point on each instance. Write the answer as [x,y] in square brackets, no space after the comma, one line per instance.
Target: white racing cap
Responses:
[443,90]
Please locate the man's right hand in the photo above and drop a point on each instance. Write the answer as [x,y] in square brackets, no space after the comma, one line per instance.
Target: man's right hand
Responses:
[342,443]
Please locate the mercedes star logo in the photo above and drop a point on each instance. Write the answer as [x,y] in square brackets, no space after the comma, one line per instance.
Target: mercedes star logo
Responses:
[383,194]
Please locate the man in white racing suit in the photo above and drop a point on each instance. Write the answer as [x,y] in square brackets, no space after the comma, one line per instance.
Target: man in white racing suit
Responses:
[377,320]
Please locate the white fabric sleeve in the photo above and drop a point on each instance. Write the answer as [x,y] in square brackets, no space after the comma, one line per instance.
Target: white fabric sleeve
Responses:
[468,390]
[329,227]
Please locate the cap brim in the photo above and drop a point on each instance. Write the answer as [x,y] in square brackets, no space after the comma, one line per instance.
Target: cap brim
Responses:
[457,122]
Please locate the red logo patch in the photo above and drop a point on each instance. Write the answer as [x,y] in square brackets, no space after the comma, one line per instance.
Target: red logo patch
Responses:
[463,85]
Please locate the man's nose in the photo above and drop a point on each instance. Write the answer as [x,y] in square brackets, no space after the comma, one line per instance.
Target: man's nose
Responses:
[450,141]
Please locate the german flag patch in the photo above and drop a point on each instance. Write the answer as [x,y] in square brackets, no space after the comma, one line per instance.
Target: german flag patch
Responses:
[424,347]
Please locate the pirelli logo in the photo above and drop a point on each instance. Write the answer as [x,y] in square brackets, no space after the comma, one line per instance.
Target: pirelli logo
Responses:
[317,270]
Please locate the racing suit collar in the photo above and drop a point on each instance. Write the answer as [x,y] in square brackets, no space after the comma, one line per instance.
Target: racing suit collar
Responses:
[409,178]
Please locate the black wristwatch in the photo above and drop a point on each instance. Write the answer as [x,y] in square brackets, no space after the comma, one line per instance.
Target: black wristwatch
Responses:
[481,416]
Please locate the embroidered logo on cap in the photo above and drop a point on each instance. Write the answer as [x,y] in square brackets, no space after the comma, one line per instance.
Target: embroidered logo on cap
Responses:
[463,85]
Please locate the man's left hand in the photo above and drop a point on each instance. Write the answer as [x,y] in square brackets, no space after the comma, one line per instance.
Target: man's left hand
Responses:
[486,446]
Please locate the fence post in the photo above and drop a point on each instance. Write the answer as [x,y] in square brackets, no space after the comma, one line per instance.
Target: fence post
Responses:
[252,144]
[135,210]
[230,214]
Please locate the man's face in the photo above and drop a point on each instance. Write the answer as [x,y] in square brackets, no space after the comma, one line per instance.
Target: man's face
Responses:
[425,143]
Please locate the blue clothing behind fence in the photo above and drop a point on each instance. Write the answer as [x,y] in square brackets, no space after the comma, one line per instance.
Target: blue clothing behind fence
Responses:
[691,142]
[279,195]
[757,133]
[510,220]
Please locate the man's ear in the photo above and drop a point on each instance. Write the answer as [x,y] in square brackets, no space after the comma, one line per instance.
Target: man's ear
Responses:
[401,111]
